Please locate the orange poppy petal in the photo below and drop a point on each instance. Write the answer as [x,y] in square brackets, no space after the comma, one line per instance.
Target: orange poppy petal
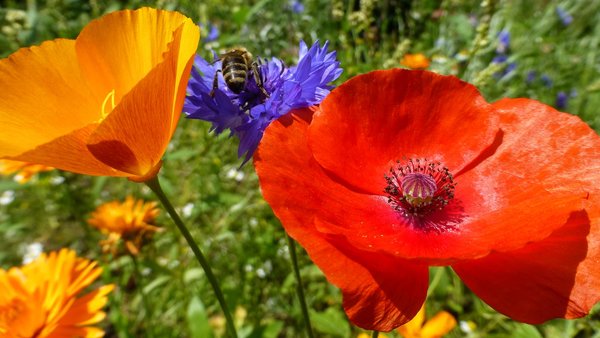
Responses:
[439,325]
[380,292]
[134,136]
[119,49]
[69,152]
[375,119]
[44,96]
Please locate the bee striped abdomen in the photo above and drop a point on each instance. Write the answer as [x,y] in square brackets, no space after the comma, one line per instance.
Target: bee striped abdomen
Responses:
[235,66]
[235,72]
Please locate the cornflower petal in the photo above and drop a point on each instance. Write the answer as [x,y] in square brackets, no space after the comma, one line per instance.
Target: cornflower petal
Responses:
[251,111]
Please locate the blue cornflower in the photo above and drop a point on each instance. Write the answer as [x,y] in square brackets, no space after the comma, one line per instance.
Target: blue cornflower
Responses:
[296,6]
[211,35]
[247,114]
[547,81]
[510,66]
[499,59]
[503,42]
[564,16]
[531,76]
[562,99]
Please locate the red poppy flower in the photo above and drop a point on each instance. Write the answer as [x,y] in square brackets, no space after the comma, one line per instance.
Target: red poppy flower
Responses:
[400,170]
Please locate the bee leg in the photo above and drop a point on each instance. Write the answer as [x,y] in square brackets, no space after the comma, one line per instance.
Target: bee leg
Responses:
[215,83]
[258,78]
[283,66]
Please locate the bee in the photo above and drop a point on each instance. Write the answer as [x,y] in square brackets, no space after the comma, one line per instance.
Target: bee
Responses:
[236,65]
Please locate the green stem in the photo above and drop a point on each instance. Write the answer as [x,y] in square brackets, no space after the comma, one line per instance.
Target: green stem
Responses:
[439,271]
[154,185]
[375,334]
[299,287]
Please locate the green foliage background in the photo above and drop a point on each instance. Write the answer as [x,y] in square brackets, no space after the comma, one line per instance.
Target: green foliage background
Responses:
[168,295]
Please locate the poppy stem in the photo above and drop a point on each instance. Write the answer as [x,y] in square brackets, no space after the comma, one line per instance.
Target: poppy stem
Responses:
[154,185]
[299,287]
[375,334]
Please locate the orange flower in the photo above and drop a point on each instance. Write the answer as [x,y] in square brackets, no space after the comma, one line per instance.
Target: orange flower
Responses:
[415,61]
[104,104]
[41,299]
[131,220]
[436,327]
[24,171]
[365,335]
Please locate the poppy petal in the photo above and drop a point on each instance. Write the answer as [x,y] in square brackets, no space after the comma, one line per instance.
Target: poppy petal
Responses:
[469,227]
[149,112]
[543,144]
[380,291]
[414,326]
[555,278]
[119,49]
[375,119]
[547,166]
[559,276]
[68,152]
[50,74]
[527,172]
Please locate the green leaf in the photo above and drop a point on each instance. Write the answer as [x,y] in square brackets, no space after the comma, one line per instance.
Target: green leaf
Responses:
[198,319]
[156,283]
[192,275]
[332,321]
[526,331]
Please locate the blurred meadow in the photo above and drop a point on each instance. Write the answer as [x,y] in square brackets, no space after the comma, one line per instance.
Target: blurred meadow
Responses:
[544,49]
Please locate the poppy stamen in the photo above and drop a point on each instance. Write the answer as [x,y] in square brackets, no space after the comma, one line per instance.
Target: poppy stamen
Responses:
[419,187]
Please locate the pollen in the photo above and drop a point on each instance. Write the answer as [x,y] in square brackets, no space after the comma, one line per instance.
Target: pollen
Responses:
[419,187]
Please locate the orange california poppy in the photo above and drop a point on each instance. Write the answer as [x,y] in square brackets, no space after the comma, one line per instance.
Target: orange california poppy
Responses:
[106,103]
[42,299]
[131,221]
[400,170]
[23,171]
[436,327]
[415,61]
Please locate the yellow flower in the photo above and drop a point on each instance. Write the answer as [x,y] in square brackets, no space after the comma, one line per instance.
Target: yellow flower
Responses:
[131,221]
[415,61]
[436,327]
[41,299]
[23,171]
[366,335]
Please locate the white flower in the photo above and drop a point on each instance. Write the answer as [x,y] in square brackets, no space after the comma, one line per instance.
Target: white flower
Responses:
[7,197]
[32,251]
[235,174]
[57,180]
[187,209]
